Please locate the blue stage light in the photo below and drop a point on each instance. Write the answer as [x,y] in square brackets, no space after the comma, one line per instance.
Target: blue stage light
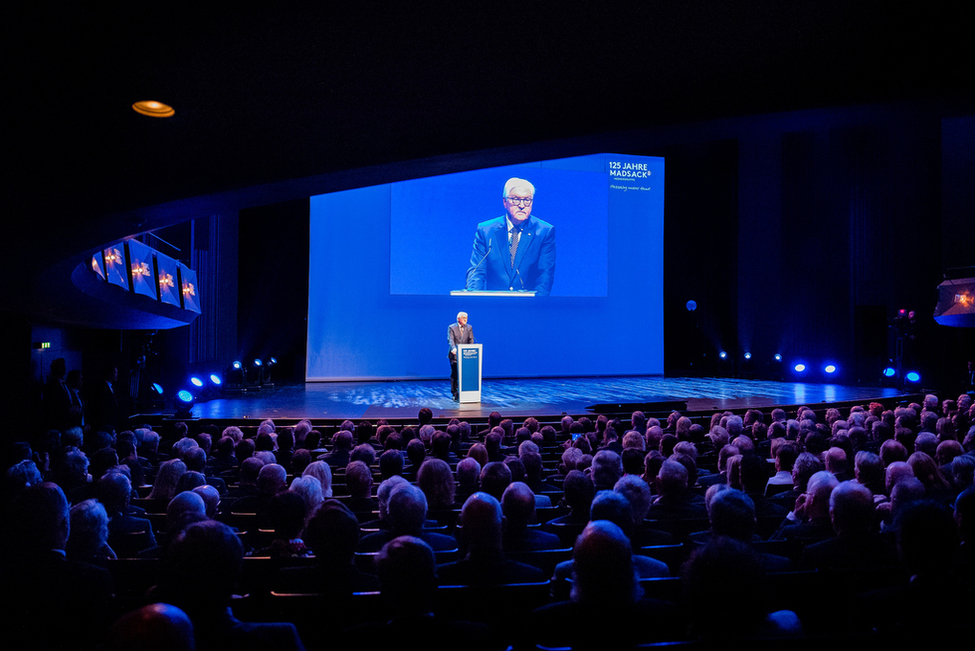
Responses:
[778,357]
[157,388]
[238,366]
[913,376]
[197,382]
[829,369]
[258,362]
[184,396]
[748,355]
[890,371]
[216,379]
[691,306]
[800,367]
[722,354]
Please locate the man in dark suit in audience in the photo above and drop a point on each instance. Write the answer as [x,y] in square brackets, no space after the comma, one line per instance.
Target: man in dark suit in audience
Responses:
[676,501]
[127,534]
[200,575]
[407,511]
[518,507]
[857,543]
[49,601]
[482,527]
[341,450]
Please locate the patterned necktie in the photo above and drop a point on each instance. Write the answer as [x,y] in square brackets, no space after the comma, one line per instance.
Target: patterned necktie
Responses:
[515,235]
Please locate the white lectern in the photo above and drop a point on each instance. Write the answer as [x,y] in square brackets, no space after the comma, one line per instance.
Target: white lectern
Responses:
[469,372]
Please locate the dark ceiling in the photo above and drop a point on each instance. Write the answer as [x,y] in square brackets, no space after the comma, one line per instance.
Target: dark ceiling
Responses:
[271,93]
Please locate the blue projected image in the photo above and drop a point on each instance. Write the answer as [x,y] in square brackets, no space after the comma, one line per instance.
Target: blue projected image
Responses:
[383,261]
[442,213]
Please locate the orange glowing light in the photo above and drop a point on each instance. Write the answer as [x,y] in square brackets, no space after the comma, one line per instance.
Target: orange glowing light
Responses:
[154,109]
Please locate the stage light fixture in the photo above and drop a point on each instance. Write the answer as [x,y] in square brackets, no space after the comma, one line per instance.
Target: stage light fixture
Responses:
[184,404]
[778,357]
[800,368]
[691,306]
[723,355]
[258,362]
[238,366]
[829,369]
[157,388]
[197,382]
[890,371]
[271,362]
[913,377]
[215,380]
[748,355]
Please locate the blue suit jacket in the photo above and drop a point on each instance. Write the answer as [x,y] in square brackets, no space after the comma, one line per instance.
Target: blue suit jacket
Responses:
[534,267]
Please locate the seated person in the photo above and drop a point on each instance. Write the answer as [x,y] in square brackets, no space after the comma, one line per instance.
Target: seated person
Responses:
[480,532]
[199,577]
[332,535]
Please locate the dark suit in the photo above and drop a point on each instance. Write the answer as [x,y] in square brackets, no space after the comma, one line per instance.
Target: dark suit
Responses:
[457,334]
[534,266]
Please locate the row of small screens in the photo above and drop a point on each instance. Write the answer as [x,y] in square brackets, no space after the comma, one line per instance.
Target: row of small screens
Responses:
[138,268]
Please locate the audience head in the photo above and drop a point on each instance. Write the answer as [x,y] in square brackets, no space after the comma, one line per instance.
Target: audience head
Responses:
[323,473]
[495,477]
[482,523]
[437,482]
[602,571]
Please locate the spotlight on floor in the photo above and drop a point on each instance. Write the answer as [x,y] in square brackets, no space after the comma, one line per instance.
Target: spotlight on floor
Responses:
[233,377]
[184,404]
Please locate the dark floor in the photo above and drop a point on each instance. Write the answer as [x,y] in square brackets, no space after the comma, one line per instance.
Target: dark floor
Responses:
[524,397]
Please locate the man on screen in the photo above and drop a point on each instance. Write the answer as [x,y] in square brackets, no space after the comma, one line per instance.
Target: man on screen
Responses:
[457,333]
[515,251]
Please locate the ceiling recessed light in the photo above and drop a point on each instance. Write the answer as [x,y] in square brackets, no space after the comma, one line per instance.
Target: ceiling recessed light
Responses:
[154,109]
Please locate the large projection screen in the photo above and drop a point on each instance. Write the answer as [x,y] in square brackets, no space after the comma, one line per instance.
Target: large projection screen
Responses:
[383,261]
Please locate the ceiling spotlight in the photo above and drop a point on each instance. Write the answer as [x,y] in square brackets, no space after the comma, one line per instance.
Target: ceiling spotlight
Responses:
[154,109]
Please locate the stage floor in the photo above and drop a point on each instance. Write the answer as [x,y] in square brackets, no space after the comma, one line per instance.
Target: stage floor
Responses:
[523,397]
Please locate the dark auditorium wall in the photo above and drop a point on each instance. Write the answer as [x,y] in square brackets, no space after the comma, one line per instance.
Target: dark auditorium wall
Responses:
[273,286]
